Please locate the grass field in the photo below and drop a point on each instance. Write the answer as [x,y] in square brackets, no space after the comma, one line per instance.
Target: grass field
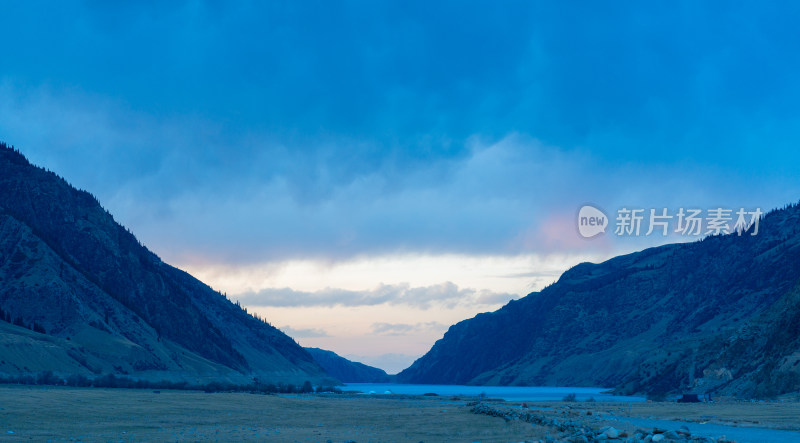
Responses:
[38,413]
[45,413]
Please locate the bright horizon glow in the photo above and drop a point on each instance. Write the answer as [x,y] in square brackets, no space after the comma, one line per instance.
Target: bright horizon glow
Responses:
[517,274]
[351,330]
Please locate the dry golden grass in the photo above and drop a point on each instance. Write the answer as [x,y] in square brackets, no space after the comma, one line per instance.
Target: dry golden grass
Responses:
[45,413]
[36,413]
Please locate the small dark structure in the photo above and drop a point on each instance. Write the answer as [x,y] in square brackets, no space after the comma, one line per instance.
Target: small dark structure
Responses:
[689,398]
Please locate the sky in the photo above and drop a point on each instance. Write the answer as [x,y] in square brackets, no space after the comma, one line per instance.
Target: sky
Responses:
[365,174]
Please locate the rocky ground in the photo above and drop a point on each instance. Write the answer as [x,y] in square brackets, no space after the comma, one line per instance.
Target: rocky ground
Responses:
[710,422]
[585,429]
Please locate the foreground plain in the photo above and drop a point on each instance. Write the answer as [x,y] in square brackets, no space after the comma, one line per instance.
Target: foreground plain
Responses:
[38,413]
[47,413]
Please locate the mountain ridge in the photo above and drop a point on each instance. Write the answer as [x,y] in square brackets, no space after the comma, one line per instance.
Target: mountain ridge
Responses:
[67,266]
[346,370]
[657,321]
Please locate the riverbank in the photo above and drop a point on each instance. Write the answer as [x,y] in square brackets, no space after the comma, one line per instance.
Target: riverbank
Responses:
[724,421]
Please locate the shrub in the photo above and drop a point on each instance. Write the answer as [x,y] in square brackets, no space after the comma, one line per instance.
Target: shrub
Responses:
[78,380]
[321,389]
[48,378]
[106,381]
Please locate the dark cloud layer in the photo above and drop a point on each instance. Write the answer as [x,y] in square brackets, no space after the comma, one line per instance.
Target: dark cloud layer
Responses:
[266,130]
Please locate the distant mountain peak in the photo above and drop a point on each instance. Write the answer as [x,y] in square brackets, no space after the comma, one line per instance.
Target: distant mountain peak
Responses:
[345,370]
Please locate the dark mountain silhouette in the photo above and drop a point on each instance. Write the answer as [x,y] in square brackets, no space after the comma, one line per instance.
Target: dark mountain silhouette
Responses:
[345,370]
[80,294]
[721,315]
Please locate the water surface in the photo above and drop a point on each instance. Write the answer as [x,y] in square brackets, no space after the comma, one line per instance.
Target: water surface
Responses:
[507,393]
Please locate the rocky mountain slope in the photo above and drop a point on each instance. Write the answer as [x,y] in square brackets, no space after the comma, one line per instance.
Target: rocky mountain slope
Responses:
[80,294]
[719,315]
[345,370]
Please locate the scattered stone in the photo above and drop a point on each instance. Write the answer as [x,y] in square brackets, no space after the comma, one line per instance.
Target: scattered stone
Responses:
[577,430]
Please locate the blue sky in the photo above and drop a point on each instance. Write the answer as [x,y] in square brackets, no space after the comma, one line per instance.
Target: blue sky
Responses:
[357,159]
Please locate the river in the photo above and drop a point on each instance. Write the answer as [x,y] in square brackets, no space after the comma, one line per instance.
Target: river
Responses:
[507,393]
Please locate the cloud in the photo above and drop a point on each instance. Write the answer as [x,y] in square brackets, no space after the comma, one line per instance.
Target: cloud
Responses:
[488,298]
[303,333]
[446,295]
[311,76]
[271,133]
[342,131]
[405,328]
